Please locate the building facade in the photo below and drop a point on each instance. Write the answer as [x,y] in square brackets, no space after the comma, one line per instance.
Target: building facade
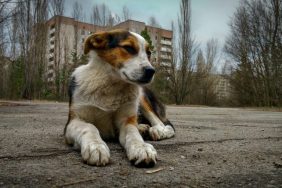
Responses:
[222,88]
[66,37]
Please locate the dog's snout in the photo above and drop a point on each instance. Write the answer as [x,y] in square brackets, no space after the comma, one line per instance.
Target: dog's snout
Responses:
[149,72]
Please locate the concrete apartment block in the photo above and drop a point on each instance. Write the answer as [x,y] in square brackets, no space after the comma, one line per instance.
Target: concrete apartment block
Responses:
[62,32]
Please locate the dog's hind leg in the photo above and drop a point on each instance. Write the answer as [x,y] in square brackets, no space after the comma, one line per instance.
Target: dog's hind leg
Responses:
[161,129]
[86,136]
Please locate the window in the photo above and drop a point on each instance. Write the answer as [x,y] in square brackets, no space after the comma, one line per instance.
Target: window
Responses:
[52,26]
[51,59]
[52,35]
[50,75]
[51,50]
[51,67]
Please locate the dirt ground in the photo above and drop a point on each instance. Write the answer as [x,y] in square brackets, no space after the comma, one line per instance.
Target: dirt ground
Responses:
[213,147]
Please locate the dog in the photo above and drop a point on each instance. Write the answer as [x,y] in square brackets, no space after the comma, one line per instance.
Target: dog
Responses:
[108,100]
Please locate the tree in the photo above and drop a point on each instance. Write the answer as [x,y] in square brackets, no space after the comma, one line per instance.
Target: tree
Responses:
[77,15]
[153,22]
[103,16]
[182,66]
[126,14]
[57,9]
[204,76]
[147,37]
[255,47]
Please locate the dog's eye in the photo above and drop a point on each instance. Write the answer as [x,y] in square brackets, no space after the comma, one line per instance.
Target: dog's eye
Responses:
[130,49]
[148,52]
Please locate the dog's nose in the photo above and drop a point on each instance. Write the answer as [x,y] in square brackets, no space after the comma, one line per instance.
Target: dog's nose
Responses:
[149,72]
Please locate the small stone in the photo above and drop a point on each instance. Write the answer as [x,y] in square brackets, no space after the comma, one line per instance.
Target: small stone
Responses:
[219,181]
[1,183]
[200,149]
[49,179]
[123,177]
[270,186]
[171,168]
[272,181]
[224,160]
[182,157]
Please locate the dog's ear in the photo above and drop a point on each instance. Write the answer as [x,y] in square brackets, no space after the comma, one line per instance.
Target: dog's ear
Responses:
[96,41]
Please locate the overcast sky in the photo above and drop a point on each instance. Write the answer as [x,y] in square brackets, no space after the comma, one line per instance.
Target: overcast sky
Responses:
[210,18]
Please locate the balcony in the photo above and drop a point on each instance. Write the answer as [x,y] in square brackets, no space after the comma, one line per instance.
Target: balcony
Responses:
[51,31]
[50,72]
[165,49]
[166,42]
[166,57]
[165,64]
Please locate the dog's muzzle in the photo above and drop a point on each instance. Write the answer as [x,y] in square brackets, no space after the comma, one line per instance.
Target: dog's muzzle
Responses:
[147,75]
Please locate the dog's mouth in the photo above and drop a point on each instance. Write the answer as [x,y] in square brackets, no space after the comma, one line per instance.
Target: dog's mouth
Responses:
[140,81]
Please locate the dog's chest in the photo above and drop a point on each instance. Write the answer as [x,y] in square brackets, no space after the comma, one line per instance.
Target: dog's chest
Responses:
[105,93]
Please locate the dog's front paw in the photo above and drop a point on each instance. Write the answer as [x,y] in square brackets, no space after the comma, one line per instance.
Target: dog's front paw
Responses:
[94,153]
[142,154]
[143,129]
[160,132]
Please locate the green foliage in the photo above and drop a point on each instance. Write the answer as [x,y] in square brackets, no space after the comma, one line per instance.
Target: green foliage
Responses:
[147,37]
[16,81]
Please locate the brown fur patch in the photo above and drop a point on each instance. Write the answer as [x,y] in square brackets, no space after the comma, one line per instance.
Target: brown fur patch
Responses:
[132,120]
[145,104]
[110,46]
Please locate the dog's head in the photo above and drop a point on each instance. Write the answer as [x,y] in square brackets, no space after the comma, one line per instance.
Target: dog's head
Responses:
[127,52]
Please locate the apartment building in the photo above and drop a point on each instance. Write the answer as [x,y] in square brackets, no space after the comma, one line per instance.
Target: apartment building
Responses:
[63,32]
[223,88]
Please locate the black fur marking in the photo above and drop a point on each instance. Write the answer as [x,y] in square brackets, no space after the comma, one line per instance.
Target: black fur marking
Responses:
[143,164]
[115,38]
[157,107]
[72,85]
[167,122]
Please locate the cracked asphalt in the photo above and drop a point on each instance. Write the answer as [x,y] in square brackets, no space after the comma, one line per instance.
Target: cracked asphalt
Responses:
[213,147]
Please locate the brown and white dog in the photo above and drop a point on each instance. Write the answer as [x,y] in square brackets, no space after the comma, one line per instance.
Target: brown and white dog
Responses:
[108,100]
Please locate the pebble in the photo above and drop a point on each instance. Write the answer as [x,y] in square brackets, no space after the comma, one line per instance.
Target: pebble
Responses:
[272,181]
[182,157]
[270,186]
[49,179]
[171,168]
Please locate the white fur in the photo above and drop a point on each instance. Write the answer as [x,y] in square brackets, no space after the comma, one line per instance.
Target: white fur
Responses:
[86,137]
[158,131]
[137,150]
